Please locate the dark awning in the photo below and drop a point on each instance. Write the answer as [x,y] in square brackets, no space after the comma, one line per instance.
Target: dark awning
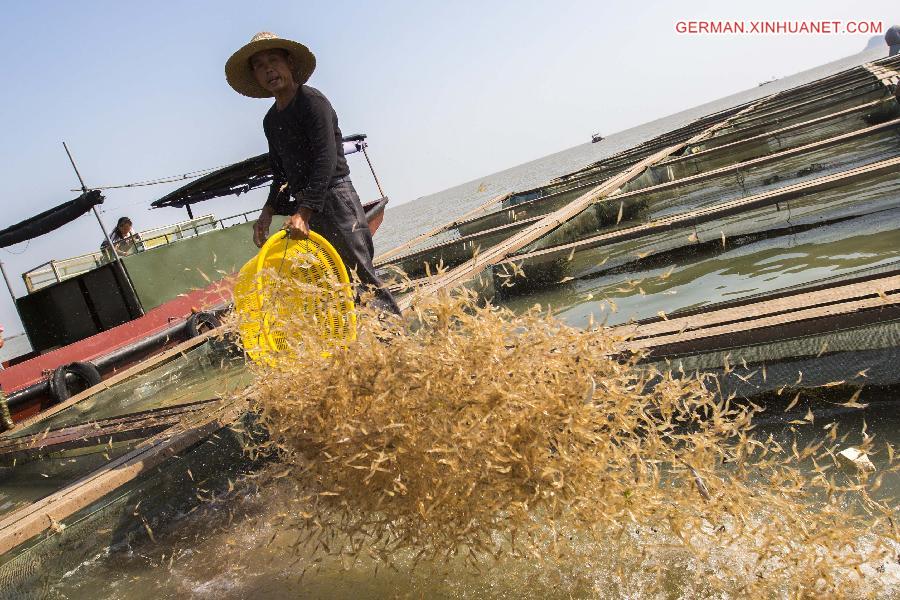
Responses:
[50,220]
[234,179]
[237,178]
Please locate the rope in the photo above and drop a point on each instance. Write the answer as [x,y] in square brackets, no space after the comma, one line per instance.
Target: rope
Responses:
[25,249]
[161,180]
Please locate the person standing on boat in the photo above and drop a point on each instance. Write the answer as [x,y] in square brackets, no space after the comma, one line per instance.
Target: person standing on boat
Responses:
[123,237]
[311,184]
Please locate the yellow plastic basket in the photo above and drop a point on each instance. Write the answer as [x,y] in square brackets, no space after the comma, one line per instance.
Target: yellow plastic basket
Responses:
[263,304]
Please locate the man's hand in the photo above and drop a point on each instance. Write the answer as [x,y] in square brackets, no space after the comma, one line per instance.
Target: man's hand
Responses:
[298,224]
[261,228]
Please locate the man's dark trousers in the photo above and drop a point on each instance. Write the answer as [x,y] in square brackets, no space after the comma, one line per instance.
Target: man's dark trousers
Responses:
[343,223]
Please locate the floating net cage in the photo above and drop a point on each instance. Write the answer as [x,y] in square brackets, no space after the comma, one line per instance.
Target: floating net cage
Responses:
[154,501]
[159,494]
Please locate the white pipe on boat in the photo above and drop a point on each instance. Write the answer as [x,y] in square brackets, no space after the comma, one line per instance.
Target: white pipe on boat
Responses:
[8,284]
[352,147]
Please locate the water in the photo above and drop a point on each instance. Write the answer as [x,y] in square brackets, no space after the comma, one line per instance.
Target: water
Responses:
[236,551]
[14,346]
[185,379]
[850,249]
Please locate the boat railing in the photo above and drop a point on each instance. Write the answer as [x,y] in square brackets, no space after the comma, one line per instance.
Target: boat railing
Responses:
[57,270]
[238,218]
[54,271]
[160,236]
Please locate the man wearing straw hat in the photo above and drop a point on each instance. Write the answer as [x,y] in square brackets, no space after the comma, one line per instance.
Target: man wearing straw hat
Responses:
[311,183]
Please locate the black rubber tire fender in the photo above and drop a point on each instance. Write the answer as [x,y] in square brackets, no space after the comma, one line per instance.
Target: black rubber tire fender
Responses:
[85,372]
[199,322]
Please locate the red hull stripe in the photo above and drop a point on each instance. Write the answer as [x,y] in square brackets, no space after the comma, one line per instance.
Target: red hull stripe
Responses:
[161,317]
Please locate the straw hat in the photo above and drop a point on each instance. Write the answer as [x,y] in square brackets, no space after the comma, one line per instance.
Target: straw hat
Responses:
[240,75]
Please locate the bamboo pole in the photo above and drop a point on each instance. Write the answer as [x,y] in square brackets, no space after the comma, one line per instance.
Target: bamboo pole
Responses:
[721,210]
[372,168]
[810,314]
[8,283]
[645,334]
[95,433]
[46,514]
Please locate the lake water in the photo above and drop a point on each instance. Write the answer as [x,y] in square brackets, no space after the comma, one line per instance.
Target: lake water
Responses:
[206,556]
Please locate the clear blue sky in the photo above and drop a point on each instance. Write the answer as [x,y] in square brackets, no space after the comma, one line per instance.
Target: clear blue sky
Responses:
[447,91]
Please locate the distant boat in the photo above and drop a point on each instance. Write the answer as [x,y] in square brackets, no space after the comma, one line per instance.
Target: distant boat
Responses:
[762,83]
[596,138]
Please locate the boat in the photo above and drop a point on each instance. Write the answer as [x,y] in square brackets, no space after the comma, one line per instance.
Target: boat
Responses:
[89,316]
[794,174]
[597,137]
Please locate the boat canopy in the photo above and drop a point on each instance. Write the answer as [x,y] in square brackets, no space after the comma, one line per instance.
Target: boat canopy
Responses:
[50,220]
[238,178]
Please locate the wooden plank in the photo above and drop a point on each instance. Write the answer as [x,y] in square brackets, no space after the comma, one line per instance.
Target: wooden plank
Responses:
[769,158]
[735,334]
[439,229]
[886,75]
[461,240]
[139,424]
[785,305]
[550,197]
[134,369]
[43,515]
[791,110]
[720,210]
[726,148]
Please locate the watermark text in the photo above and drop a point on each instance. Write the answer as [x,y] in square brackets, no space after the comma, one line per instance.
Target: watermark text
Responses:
[829,27]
